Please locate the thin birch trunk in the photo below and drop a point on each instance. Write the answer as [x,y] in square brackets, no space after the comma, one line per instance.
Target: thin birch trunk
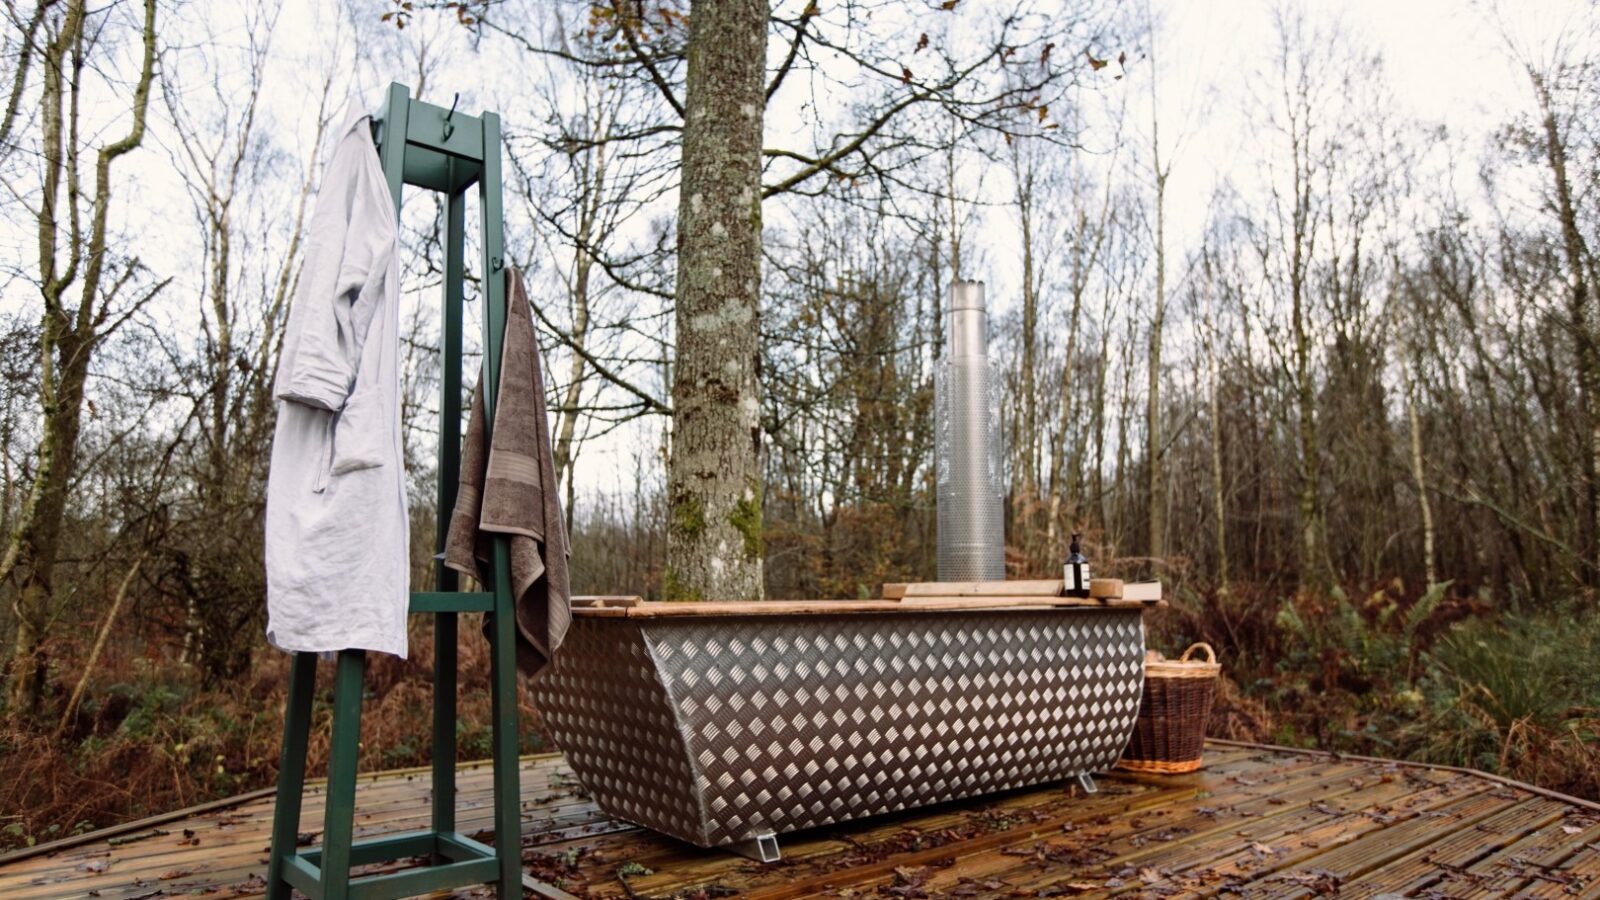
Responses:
[1419,478]
[1218,483]
[100,639]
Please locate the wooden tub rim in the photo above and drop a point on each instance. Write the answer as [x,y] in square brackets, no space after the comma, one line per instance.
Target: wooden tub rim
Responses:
[634,608]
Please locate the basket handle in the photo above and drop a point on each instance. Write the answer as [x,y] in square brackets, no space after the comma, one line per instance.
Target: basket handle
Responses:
[1211,655]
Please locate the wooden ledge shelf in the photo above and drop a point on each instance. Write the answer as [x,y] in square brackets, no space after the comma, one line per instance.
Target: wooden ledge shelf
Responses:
[897,598]
[660,608]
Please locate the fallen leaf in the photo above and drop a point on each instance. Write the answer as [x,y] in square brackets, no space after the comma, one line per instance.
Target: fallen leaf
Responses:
[912,875]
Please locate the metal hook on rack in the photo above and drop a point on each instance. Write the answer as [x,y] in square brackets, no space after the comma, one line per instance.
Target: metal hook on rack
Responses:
[449,127]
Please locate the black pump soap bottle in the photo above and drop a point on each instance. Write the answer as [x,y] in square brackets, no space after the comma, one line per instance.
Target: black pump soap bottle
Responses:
[1075,571]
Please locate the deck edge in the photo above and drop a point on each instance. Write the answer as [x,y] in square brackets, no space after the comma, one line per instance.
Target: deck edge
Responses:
[1548,793]
[111,831]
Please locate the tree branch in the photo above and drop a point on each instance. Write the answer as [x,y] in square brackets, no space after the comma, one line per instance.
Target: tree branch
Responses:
[601,368]
[646,60]
[811,11]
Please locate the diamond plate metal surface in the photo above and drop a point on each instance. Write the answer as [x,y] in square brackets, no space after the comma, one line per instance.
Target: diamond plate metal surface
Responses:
[719,729]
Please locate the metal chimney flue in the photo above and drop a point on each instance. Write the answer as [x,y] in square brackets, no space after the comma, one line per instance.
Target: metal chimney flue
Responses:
[967,450]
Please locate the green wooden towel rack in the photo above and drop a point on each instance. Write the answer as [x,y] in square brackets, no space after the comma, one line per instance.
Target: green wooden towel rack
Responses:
[435,149]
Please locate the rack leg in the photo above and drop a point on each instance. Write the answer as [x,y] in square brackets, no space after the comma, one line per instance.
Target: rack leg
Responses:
[444,723]
[291,772]
[507,778]
[345,746]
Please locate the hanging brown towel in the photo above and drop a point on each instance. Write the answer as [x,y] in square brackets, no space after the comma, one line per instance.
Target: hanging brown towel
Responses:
[510,488]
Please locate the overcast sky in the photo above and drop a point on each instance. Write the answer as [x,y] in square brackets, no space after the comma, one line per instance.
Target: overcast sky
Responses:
[1445,64]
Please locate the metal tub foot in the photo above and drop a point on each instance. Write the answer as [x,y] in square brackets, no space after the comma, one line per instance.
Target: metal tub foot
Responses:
[762,848]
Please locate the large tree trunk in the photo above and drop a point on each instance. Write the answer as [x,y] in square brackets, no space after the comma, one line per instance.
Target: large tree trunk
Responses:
[714,546]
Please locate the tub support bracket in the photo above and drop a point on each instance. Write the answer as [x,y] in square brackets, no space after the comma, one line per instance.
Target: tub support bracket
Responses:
[762,848]
[1086,781]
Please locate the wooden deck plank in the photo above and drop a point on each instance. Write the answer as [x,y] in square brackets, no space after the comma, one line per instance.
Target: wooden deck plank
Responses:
[1115,847]
[1514,866]
[1132,844]
[1266,844]
[1254,821]
[383,808]
[1577,875]
[1078,846]
[828,873]
[1339,847]
[935,826]
[822,850]
[229,854]
[1430,865]
[854,878]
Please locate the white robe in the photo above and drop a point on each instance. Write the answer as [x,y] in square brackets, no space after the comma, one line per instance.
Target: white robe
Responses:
[337,541]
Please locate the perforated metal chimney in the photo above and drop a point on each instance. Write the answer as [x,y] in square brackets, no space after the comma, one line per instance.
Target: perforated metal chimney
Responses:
[967,430]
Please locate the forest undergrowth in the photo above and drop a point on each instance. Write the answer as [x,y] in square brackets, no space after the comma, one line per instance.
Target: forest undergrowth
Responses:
[149,739]
[1434,676]
[1430,675]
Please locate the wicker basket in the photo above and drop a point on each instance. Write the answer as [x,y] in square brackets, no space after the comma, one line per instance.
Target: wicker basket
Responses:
[1170,734]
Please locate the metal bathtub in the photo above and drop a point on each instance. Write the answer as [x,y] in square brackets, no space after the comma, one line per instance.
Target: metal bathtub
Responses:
[730,729]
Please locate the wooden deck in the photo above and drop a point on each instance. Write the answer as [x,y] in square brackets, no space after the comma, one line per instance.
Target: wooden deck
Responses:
[1256,822]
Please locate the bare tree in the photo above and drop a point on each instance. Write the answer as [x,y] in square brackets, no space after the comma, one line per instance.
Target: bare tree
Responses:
[1155,438]
[1303,88]
[74,221]
[1558,73]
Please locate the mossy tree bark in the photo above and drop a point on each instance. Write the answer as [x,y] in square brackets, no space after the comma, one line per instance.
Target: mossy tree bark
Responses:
[714,539]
